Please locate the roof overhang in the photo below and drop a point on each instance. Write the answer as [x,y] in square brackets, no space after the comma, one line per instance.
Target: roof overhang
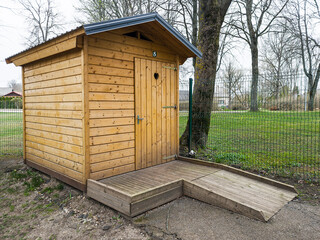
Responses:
[67,41]
[105,26]
[71,40]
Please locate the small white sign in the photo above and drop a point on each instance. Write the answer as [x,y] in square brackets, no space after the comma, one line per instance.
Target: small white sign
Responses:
[154,53]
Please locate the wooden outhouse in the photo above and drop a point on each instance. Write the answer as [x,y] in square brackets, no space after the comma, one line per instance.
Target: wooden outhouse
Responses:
[102,99]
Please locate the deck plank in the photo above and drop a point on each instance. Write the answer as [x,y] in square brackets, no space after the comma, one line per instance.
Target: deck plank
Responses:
[153,186]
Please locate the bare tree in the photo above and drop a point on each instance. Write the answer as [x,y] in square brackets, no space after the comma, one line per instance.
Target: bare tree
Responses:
[304,19]
[280,59]
[186,19]
[101,10]
[187,22]
[14,85]
[43,20]
[232,81]
[252,20]
[211,17]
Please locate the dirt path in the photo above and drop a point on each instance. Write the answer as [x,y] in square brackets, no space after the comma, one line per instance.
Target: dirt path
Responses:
[35,206]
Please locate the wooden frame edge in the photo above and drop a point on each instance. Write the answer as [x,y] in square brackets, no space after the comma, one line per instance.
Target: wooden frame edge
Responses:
[177,113]
[240,172]
[57,40]
[85,109]
[23,117]
[70,181]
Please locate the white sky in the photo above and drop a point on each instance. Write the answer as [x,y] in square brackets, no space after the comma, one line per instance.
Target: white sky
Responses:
[13,30]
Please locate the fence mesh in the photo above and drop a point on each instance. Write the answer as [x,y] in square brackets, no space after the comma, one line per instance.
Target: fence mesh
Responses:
[11,127]
[282,138]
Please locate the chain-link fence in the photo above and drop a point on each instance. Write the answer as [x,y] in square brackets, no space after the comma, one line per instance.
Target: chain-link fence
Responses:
[282,138]
[11,127]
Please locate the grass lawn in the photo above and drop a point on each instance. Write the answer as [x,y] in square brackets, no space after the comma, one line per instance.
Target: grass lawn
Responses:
[285,143]
[11,132]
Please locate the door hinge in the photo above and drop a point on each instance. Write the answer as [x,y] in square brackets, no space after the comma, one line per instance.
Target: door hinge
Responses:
[175,107]
[173,68]
[172,156]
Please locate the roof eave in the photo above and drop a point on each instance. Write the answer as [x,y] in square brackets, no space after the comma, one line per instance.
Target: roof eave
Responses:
[95,28]
[77,31]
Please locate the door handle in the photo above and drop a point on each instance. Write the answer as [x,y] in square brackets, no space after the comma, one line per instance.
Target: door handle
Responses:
[139,118]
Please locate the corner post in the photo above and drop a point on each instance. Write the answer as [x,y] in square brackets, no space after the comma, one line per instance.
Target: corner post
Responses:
[177,103]
[85,111]
[23,117]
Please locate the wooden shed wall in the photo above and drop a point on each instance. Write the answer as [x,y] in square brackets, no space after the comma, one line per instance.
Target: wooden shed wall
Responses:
[53,113]
[111,100]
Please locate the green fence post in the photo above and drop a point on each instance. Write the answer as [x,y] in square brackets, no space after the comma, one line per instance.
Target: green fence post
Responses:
[190,113]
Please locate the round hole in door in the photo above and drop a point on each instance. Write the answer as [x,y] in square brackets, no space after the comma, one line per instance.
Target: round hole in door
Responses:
[156,76]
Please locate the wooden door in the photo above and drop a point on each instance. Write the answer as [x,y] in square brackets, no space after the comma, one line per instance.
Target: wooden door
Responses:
[156,119]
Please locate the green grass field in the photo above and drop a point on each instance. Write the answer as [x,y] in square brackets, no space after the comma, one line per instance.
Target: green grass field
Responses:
[284,143]
[11,132]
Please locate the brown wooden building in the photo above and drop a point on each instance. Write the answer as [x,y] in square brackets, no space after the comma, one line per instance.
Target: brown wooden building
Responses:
[102,100]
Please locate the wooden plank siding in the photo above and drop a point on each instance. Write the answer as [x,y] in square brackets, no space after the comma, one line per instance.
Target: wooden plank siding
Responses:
[111,77]
[54,112]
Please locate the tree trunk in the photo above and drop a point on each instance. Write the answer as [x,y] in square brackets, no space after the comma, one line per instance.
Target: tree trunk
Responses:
[311,100]
[312,89]
[255,75]
[211,17]
[229,92]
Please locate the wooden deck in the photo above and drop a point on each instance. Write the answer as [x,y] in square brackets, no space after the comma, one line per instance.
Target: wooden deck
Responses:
[136,192]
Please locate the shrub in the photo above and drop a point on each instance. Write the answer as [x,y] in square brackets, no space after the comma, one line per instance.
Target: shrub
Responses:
[286,106]
[184,106]
[17,102]
[274,108]
[238,107]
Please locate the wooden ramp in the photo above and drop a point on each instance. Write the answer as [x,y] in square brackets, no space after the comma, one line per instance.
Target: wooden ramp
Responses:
[245,193]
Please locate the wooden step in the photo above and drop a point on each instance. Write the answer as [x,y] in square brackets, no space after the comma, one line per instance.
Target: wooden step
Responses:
[245,193]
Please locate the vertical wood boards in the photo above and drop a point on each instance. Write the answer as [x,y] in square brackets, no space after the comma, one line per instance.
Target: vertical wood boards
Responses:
[178,104]
[155,98]
[138,110]
[23,116]
[85,110]
[159,83]
[149,115]
[154,115]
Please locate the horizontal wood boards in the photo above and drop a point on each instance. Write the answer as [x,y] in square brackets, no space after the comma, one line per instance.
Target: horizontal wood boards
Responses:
[111,81]
[53,114]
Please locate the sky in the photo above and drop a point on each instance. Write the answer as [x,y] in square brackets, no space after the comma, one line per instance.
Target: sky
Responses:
[13,30]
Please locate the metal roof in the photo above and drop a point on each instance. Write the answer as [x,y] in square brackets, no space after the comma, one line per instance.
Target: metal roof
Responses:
[104,26]
[43,43]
